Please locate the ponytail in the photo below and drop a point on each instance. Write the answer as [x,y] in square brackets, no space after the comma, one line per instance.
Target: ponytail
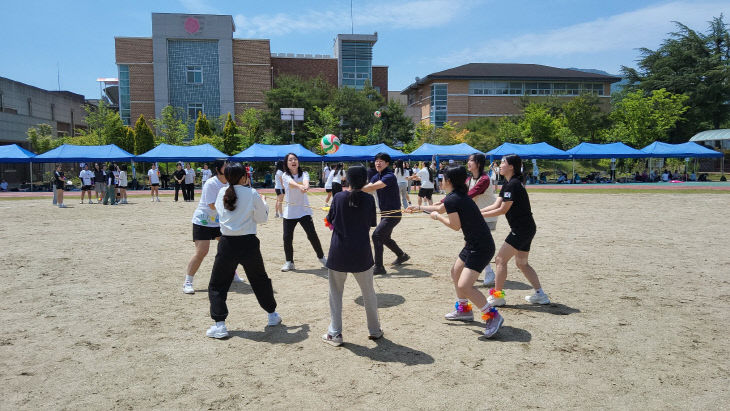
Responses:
[233,172]
[230,198]
[516,162]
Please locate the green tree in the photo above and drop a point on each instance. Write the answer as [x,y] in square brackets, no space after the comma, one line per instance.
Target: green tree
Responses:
[584,117]
[202,126]
[144,140]
[538,125]
[397,127]
[640,119]
[483,134]
[508,130]
[356,109]
[103,124]
[324,122]
[230,137]
[171,127]
[694,64]
[127,142]
[41,138]
[215,141]
[250,127]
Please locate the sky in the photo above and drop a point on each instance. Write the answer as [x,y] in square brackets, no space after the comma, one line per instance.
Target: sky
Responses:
[45,43]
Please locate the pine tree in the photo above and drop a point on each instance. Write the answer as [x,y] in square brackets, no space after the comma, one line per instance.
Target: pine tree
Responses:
[230,139]
[144,140]
[202,126]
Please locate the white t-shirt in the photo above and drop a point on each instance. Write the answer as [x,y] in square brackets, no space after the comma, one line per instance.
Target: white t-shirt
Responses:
[122,178]
[401,176]
[206,174]
[486,198]
[330,177]
[189,176]
[116,177]
[154,176]
[337,178]
[277,180]
[326,174]
[423,175]
[86,176]
[250,210]
[204,215]
[296,203]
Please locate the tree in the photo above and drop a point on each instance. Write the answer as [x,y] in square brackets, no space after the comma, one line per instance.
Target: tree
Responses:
[584,117]
[538,125]
[325,121]
[144,140]
[250,127]
[202,126]
[171,127]
[127,142]
[640,119]
[397,127]
[694,64]
[215,141]
[230,139]
[356,109]
[41,138]
[103,124]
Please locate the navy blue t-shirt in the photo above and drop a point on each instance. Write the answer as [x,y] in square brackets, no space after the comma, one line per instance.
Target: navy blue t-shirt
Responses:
[350,250]
[388,196]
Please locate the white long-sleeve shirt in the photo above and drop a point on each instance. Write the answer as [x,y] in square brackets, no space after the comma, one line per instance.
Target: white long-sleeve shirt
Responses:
[250,210]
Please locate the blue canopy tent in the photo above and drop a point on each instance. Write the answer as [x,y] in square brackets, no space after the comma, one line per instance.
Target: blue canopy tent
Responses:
[686,150]
[14,153]
[69,153]
[529,151]
[349,152]
[167,153]
[265,152]
[611,150]
[426,151]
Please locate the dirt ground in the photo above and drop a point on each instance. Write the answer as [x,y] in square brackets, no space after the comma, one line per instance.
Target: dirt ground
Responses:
[93,315]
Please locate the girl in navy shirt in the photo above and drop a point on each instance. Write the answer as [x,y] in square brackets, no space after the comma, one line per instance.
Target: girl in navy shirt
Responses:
[463,214]
[350,217]
[515,205]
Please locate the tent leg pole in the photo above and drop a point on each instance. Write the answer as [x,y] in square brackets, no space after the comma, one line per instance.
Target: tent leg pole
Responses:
[31,177]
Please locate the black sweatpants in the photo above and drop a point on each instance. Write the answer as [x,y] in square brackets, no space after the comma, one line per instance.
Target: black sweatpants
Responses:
[234,250]
[381,237]
[308,226]
[190,188]
[179,187]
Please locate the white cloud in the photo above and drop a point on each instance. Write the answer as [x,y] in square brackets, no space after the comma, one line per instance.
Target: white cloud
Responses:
[415,14]
[644,27]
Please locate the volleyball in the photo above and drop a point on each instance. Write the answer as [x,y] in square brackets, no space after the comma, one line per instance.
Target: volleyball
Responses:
[377,114]
[330,144]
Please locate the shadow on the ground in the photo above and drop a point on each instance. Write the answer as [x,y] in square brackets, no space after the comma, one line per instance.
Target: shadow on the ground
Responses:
[388,351]
[238,288]
[552,308]
[319,272]
[385,300]
[506,333]
[277,334]
[403,271]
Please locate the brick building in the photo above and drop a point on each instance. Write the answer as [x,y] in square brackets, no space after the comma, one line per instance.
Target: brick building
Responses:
[479,90]
[193,62]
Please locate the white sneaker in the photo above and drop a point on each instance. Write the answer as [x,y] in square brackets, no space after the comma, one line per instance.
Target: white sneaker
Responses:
[459,316]
[488,276]
[274,319]
[536,298]
[288,266]
[188,288]
[335,340]
[237,279]
[90,202]
[158,199]
[495,301]
[493,325]
[323,260]
[153,200]
[217,332]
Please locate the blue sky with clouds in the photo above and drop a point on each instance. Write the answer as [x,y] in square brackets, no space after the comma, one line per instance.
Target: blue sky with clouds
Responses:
[416,37]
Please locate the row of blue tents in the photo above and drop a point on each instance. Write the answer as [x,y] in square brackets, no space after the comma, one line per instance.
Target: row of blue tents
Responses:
[262,152]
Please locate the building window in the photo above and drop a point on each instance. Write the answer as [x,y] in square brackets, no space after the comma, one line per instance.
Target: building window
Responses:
[125,111]
[194,74]
[193,110]
[30,107]
[439,97]
[593,88]
[357,60]
[537,89]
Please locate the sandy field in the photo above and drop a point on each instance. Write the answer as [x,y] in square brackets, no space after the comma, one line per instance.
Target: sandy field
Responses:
[93,315]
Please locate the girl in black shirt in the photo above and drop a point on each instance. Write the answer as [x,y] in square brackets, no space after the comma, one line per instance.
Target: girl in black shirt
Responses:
[58,182]
[463,214]
[515,205]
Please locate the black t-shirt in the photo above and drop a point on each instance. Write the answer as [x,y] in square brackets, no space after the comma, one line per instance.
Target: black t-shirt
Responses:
[520,214]
[475,229]
[57,179]
[350,249]
[179,175]
[98,176]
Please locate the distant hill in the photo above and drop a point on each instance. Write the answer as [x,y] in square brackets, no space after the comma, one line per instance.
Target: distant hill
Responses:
[614,87]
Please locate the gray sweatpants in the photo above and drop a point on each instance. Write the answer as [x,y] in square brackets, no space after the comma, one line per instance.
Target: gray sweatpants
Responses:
[370,301]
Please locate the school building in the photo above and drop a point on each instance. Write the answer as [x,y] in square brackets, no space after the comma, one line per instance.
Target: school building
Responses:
[192,61]
[475,90]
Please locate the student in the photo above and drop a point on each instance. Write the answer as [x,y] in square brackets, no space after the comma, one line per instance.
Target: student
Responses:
[205,224]
[179,178]
[426,177]
[123,182]
[153,175]
[297,210]
[205,174]
[239,210]
[59,181]
[514,203]
[99,186]
[87,183]
[328,184]
[351,215]
[325,174]
[117,193]
[402,174]
[338,176]
[481,190]
[111,188]
[4,187]
[385,185]
[279,188]
[190,182]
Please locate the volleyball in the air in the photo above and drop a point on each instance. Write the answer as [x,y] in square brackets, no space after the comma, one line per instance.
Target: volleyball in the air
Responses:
[377,114]
[330,144]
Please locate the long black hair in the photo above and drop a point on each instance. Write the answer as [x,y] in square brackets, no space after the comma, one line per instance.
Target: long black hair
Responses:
[516,162]
[457,178]
[358,177]
[280,165]
[481,161]
[286,165]
[339,168]
[427,164]
[399,166]
[233,173]
[218,167]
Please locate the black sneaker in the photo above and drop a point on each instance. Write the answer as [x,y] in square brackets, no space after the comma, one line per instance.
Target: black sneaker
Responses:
[379,270]
[402,259]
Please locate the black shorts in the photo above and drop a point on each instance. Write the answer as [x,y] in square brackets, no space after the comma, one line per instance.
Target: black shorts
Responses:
[521,238]
[476,259]
[155,185]
[201,232]
[87,188]
[279,191]
[336,188]
[425,193]
[328,190]
[59,186]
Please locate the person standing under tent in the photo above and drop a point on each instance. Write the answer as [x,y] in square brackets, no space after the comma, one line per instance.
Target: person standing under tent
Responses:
[385,185]
[240,209]
[279,188]
[402,175]
[337,177]
[613,170]
[111,188]
[426,177]
[481,190]
[328,184]
[153,176]
[323,177]
[59,182]
[123,182]
[514,203]
[205,174]
[297,211]
[179,177]
[99,186]
[87,179]
[190,182]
